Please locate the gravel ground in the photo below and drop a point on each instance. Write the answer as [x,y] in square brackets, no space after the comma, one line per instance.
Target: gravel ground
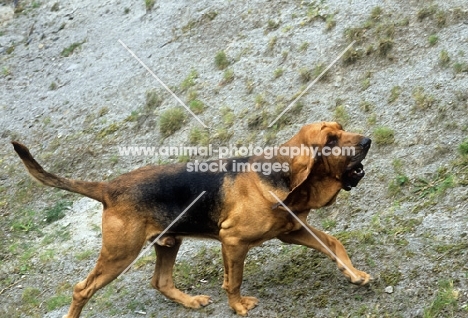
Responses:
[404,83]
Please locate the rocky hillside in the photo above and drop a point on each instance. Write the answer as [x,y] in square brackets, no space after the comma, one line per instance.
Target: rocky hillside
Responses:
[73,92]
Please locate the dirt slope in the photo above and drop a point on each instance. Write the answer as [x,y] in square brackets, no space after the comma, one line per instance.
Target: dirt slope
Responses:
[72,92]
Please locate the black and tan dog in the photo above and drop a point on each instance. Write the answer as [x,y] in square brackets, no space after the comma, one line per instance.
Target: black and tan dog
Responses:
[237,209]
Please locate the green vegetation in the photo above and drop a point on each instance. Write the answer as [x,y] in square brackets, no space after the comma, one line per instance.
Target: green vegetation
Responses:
[330,22]
[149,4]
[84,255]
[272,25]
[366,80]
[394,94]
[227,116]
[172,120]
[272,42]
[459,67]
[221,60]
[390,277]
[384,136]
[422,100]
[366,106]
[445,301]
[318,69]
[189,81]
[260,101]
[53,86]
[249,86]
[223,134]
[434,185]
[463,148]
[341,115]
[6,71]
[376,34]
[305,75]
[55,7]
[57,301]
[228,76]
[376,13]
[66,52]
[426,12]
[444,58]
[328,224]
[401,179]
[30,296]
[278,72]
[196,106]
[109,130]
[304,46]
[433,39]
[57,211]
[199,136]
[24,221]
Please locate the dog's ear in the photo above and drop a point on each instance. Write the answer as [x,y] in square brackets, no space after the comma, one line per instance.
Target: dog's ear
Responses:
[300,168]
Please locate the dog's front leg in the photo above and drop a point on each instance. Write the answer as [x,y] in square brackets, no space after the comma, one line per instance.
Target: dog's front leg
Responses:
[234,257]
[331,247]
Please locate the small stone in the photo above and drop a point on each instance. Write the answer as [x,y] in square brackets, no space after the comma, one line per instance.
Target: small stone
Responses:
[389,289]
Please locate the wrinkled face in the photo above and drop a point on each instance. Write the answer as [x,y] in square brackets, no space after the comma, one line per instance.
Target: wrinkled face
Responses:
[339,153]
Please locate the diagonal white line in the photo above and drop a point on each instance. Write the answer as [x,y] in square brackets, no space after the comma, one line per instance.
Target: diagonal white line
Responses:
[313,234]
[162,83]
[163,232]
[311,84]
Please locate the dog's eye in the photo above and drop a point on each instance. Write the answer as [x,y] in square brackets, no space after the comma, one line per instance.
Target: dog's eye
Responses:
[332,140]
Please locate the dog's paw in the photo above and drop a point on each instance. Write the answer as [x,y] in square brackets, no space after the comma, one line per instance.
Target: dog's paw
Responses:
[358,277]
[244,305]
[199,301]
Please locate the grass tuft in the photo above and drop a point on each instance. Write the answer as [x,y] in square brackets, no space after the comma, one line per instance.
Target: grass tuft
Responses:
[426,12]
[384,136]
[199,136]
[433,39]
[153,99]
[57,301]
[463,148]
[444,58]
[446,300]
[221,60]
[66,52]
[172,120]
[421,99]
[341,115]
[305,75]
[56,212]
[197,106]
[149,4]
[189,81]
[228,76]
[394,94]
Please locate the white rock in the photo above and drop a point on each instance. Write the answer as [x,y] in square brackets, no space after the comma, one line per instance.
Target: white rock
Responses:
[389,289]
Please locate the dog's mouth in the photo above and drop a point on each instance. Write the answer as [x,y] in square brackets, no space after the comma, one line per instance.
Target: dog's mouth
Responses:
[352,176]
[355,170]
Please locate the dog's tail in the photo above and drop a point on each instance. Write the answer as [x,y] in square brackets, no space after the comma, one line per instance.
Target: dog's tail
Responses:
[93,190]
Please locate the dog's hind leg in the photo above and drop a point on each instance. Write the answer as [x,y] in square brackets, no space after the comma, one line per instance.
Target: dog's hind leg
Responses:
[162,278]
[122,240]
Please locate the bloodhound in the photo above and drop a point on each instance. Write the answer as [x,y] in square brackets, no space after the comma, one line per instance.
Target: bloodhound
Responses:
[241,209]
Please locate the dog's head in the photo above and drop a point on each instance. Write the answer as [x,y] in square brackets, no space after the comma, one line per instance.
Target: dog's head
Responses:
[333,153]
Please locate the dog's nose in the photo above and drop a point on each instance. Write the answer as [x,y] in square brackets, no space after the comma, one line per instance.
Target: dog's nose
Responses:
[365,143]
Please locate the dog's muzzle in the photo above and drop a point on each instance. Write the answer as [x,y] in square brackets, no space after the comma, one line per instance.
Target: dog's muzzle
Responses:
[355,170]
